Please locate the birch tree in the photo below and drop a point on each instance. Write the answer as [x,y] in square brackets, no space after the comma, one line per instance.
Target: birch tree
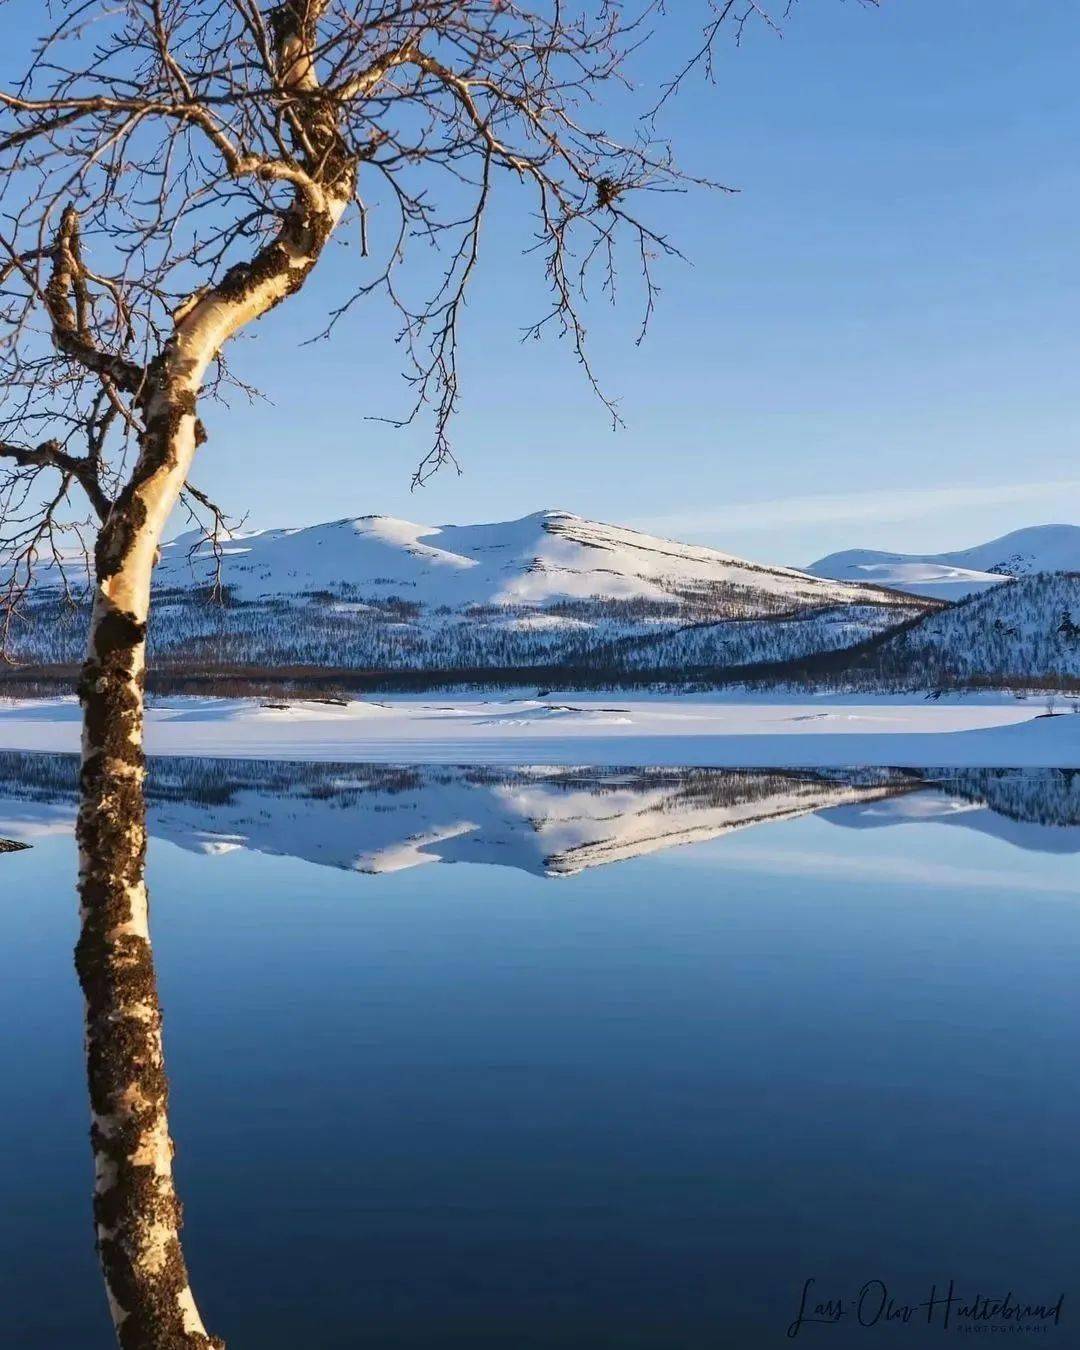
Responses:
[170,172]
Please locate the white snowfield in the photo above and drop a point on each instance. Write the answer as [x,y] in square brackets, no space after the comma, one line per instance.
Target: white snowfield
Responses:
[952,576]
[600,729]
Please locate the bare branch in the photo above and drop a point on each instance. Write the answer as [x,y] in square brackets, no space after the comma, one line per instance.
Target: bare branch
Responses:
[67,300]
[50,455]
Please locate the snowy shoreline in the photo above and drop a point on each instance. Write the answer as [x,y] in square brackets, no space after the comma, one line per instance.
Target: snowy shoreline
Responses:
[601,729]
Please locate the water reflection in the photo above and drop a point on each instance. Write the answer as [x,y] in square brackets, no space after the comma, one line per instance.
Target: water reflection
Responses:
[1035,809]
[458,1113]
[542,820]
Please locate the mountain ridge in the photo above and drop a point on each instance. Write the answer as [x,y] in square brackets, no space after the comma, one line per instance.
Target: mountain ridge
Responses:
[959,573]
[555,595]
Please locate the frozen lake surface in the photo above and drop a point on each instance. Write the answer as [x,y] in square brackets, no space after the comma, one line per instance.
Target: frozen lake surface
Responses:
[724,729]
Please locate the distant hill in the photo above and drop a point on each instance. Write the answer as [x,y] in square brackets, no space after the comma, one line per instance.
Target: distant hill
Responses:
[954,576]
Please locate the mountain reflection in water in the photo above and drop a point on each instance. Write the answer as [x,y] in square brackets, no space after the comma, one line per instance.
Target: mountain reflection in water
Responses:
[547,821]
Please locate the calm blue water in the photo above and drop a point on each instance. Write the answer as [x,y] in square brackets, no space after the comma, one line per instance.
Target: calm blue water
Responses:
[633,1106]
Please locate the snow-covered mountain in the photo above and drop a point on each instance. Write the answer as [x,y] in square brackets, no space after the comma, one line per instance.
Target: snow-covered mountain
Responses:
[555,597]
[953,576]
[551,589]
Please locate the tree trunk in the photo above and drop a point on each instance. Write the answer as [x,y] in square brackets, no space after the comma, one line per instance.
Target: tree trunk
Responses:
[136,1210]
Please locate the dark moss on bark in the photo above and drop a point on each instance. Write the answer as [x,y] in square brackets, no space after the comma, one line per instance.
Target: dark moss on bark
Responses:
[118,535]
[111,693]
[307,232]
[157,451]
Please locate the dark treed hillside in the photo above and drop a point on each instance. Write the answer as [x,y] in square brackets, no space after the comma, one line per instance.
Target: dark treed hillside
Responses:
[1026,631]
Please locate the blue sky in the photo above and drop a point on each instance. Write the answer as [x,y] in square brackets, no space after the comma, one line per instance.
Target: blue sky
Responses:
[875,343]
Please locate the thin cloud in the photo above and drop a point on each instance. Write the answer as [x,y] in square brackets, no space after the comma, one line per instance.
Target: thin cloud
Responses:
[859,507]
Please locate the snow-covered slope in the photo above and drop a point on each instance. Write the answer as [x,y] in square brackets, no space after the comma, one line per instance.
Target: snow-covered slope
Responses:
[551,589]
[953,576]
[551,555]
